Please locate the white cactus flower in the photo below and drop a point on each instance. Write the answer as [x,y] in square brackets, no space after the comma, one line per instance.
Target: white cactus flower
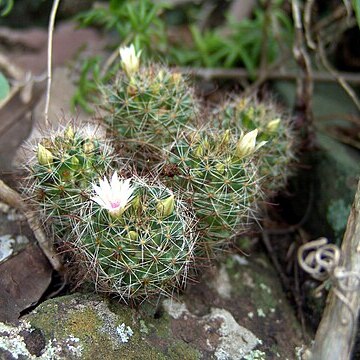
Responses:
[113,196]
[247,144]
[130,59]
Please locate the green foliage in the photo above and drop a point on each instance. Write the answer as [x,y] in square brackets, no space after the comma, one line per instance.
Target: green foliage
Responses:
[65,165]
[87,84]
[356,7]
[221,184]
[146,250]
[4,86]
[135,21]
[275,156]
[6,6]
[243,43]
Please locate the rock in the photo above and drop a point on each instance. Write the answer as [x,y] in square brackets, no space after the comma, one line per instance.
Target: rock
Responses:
[25,271]
[324,190]
[251,320]
[325,185]
[217,334]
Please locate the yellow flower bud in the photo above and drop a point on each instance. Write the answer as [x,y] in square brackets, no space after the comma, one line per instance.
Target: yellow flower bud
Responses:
[176,78]
[166,207]
[75,161]
[199,151]
[136,203]
[88,147]
[132,235]
[241,104]
[69,133]
[45,157]
[273,125]
[251,112]
[225,139]
[220,167]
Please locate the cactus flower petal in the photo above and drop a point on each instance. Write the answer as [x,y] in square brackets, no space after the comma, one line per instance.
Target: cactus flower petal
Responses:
[247,144]
[130,60]
[114,195]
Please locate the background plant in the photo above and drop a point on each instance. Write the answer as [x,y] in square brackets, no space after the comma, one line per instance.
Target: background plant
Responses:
[249,42]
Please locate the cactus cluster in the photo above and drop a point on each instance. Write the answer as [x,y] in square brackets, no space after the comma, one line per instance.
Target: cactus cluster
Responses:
[216,171]
[273,127]
[144,249]
[138,237]
[134,240]
[66,162]
[148,104]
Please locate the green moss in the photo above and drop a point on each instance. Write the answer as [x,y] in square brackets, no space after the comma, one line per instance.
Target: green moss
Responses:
[261,296]
[83,323]
[255,282]
[181,350]
[337,215]
[95,326]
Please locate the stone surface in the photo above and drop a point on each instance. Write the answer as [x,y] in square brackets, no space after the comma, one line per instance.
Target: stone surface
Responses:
[249,320]
[325,186]
[25,271]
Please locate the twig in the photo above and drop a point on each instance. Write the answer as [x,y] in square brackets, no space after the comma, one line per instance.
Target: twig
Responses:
[304,121]
[49,58]
[307,24]
[109,61]
[274,74]
[12,198]
[12,70]
[337,76]
[267,243]
[264,38]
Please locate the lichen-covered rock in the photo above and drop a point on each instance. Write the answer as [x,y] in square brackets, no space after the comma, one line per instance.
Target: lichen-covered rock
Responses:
[90,327]
[325,189]
[247,317]
[218,335]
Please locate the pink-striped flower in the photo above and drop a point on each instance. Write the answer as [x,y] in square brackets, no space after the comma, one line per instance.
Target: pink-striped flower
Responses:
[113,196]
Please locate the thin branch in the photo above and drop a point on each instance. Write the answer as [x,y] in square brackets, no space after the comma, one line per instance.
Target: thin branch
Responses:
[304,120]
[274,74]
[265,38]
[12,198]
[14,71]
[49,58]
[307,23]
[337,76]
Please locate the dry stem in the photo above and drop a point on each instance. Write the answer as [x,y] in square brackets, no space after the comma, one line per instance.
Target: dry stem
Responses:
[336,333]
[49,58]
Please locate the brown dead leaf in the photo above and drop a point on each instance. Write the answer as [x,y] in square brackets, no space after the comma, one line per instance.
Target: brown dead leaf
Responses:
[24,279]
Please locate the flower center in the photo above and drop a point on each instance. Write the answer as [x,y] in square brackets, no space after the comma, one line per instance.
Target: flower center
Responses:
[114,204]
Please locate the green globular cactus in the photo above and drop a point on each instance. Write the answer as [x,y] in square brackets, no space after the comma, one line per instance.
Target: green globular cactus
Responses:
[148,104]
[66,162]
[275,157]
[137,238]
[216,171]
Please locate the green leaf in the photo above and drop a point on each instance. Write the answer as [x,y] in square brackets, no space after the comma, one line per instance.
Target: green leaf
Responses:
[7,5]
[4,87]
[356,7]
